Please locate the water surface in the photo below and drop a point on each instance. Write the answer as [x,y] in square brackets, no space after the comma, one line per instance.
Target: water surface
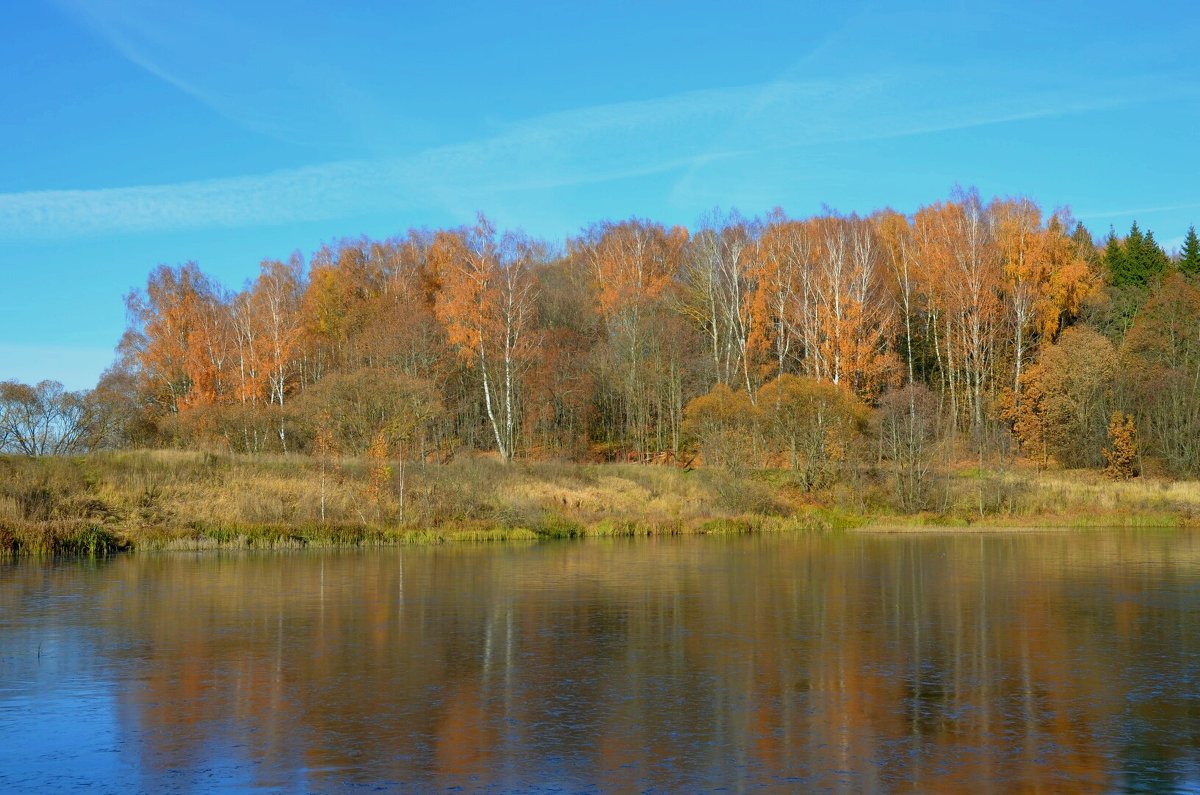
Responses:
[991,663]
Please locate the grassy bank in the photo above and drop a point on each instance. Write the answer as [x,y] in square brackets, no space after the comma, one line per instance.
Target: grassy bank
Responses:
[185,500]
[189,500]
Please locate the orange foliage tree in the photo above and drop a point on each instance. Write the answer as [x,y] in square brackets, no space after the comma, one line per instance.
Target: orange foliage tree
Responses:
[1046,280]
[1068,397]
[631,266]
[180,338]
[486,304]
[723,423]
[1122,452]
[818,423]
[598,352]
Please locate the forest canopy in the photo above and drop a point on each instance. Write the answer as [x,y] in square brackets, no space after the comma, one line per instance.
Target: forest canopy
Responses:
[967,329]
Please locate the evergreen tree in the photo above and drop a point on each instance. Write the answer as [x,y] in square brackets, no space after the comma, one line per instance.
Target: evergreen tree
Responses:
[1136,261]
[1189,256]
[1115,261]
[1153,262]
[1134,240]
[1135,256]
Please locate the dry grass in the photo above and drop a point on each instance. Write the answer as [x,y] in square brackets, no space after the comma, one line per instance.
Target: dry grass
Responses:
[162,499]
[173,500]
[1025,498]
[1088,499]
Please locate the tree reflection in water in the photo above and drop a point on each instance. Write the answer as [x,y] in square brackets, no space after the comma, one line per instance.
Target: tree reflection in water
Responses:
[1067,662]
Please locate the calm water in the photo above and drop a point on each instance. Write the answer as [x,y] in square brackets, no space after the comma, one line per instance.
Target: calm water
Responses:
[1050,662]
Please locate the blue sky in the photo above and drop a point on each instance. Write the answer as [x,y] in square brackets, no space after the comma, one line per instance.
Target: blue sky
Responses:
[137,133]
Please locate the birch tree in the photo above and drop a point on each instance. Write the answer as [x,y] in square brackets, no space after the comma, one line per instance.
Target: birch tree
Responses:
[486,303]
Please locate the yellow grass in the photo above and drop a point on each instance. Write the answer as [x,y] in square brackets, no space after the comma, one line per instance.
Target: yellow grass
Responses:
[162,499]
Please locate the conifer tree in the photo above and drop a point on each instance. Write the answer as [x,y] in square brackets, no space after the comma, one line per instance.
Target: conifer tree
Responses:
[1189,256]
[1135,256]
[1153,262]
[1137,260]
[1134,240]
[1115,261]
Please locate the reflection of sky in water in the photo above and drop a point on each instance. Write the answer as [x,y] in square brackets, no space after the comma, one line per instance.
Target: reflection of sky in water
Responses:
[1066,662]
[58,708]
[65,736]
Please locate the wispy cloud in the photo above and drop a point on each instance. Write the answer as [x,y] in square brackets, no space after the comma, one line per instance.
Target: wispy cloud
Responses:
[880,107]
[1134,212]
[208,52]
[589,145]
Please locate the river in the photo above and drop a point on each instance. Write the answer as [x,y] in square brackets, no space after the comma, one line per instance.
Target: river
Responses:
[932,662]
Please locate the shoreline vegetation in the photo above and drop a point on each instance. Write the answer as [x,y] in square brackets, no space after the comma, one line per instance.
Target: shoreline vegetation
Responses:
[146,500]
[971,364]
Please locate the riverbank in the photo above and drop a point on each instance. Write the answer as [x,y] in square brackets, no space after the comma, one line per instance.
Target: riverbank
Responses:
[147,500]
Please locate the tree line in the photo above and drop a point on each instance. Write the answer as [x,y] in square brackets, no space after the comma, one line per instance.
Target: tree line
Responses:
[965,330]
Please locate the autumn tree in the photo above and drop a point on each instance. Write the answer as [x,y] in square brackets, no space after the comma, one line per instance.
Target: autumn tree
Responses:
[401,329]
[383,414]
[1046,281]
[786,294]
[1122,452]
[1068,399]
[822,301]
[631,266]
[719,284]
[344,280]
[325,306]
[899,252]
[356,406]
[1074,277]
[267,329]
[379,471]
[1018,233]
[817,423]
[180,338]
[1162,359]
[856,319]
[961,284]
[909,426]
[723,424]
[277,326]
[561,382]
[325,450]
[486,304]
[974,275]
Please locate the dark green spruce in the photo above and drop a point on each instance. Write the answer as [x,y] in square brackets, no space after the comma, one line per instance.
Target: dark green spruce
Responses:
[1189,255]
[1136,261]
